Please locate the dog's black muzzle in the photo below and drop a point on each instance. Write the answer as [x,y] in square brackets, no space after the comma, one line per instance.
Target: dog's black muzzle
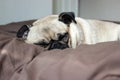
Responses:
[61,43]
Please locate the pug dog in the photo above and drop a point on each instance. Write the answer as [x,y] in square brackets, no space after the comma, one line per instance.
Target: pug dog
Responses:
[80,31]
[61,43]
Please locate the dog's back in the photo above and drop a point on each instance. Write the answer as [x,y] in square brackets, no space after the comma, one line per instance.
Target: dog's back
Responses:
[100,31]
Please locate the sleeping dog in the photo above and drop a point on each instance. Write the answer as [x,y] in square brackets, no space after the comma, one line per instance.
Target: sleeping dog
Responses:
[80,31]
[60,43]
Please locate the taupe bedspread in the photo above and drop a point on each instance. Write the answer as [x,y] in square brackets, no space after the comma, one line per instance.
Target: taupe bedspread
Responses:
[21,61]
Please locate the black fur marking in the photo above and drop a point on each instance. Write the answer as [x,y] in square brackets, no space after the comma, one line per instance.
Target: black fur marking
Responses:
[23,30]
[67,17]
[61,43]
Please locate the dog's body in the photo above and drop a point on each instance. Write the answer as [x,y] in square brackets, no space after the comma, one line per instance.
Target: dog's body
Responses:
[81,31]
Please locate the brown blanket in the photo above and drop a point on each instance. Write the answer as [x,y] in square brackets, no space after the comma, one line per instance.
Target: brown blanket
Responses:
[21,61]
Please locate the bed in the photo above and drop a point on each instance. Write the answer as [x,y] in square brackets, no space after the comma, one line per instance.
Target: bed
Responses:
[22,61]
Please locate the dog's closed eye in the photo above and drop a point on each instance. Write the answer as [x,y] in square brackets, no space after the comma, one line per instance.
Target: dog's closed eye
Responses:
[42,43]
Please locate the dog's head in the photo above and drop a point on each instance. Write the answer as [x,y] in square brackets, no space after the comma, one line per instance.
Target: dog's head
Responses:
[51,28]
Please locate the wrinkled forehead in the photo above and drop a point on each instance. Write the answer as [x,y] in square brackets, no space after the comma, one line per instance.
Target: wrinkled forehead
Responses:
[45,20]
[50,23]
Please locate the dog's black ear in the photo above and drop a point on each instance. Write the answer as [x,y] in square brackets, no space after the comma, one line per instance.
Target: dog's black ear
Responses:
[67,17]
[22,30]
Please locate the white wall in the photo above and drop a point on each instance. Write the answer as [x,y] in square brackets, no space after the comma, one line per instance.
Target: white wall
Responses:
[100,9]
[65,6]
[18,10]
